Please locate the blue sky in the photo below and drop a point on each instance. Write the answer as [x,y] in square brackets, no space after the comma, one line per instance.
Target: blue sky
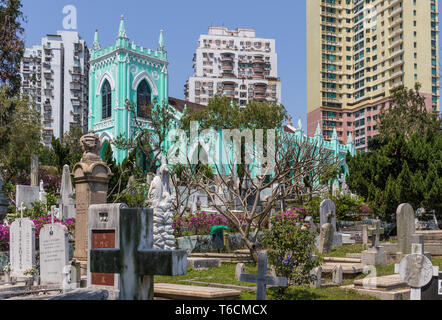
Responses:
[183,22]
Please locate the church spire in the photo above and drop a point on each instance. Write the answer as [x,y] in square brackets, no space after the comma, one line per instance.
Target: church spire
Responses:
[122,31]
[96,45]
[318,130]
[161,42]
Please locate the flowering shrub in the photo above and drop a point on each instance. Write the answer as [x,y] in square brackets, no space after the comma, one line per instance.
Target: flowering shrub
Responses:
[294,214]
[201,223]
[39,223]
[290,248]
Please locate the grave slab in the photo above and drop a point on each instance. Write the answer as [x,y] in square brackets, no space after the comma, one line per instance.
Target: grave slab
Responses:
[183,292]
[203,263]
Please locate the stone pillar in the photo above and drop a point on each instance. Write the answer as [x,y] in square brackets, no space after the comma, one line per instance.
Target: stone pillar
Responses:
[34,171]
[91,177]
[405,227]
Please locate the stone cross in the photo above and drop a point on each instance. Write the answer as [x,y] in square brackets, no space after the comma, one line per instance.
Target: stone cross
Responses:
[135,260]
[262,279]
[416,270]
[21,208]
[376,231]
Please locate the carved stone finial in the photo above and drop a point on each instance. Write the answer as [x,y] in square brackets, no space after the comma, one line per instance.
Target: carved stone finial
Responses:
[91,146]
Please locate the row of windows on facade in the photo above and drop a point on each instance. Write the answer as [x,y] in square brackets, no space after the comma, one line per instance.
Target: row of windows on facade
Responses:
[232,42]
[144,97]
[219,85]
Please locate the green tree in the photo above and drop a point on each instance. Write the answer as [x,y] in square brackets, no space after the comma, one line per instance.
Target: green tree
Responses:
[406,115]
[24,136]
[290,252]
[11,45]
[400,171]
[404,164]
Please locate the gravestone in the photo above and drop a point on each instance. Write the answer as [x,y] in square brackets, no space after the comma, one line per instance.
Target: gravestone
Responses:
[104,233]
[326,207]
[417,271]
[365,236]
[54,252]
[91,178]
[159,197]
[310,221]
[326,236]
[22,245]
[337,274]
[375,255]
[433,290]
[134,260]
[34,171]
[67,203]
[317,277]
[405,227]
[240,268]
[262,280]
[27,195]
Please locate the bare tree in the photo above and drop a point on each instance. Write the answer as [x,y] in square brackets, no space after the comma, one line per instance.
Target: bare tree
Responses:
[294,159]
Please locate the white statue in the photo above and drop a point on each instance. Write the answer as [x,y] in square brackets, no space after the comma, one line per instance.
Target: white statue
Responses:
[160,198]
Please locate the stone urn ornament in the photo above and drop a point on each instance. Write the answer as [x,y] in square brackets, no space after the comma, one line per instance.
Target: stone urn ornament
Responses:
[91,146]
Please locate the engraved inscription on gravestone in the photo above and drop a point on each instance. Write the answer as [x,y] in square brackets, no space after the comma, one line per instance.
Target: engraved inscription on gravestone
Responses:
[54,253]
[22,246]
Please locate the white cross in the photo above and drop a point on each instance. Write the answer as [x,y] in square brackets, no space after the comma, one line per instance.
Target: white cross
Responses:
[21,208]
[52,212]
[417,248]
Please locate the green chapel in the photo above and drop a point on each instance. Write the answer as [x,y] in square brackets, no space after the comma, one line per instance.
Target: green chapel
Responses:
[124,72]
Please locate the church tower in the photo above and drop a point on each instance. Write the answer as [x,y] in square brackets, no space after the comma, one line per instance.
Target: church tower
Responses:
[125,72]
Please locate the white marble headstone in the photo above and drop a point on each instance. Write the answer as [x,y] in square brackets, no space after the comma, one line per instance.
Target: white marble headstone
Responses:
[54,253]
[67,204]
[22,246]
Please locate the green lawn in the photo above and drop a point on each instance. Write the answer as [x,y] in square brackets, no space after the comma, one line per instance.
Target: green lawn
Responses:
[226,275]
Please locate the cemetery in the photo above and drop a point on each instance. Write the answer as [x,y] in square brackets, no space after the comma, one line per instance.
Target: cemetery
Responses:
[87,248]
[155,198]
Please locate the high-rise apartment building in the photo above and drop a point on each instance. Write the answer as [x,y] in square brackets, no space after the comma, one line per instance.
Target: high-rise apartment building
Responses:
[235,64]
[358,51]
[55,77]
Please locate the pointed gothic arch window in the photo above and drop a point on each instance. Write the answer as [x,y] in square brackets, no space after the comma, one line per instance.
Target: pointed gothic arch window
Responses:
[144,95]
[106,95]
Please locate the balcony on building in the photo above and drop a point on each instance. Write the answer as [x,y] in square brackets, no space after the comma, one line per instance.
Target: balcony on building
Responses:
[75,70]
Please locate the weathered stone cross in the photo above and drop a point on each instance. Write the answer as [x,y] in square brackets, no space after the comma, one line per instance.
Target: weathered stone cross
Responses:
[262,279]
[416,270]
[136,261]
[375,233]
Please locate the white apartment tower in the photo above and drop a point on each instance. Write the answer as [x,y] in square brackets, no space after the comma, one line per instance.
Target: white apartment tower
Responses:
[235,64]
[55,77]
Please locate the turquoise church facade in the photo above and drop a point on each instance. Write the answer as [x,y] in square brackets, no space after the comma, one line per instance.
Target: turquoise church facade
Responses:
[125,72]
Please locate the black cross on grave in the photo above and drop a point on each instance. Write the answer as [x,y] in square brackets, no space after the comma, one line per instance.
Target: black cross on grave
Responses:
[136,261]
[262,280]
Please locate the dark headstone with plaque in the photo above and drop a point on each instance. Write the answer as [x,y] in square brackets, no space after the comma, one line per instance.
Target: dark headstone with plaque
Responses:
[121,258]
[433,290]
[104,232]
